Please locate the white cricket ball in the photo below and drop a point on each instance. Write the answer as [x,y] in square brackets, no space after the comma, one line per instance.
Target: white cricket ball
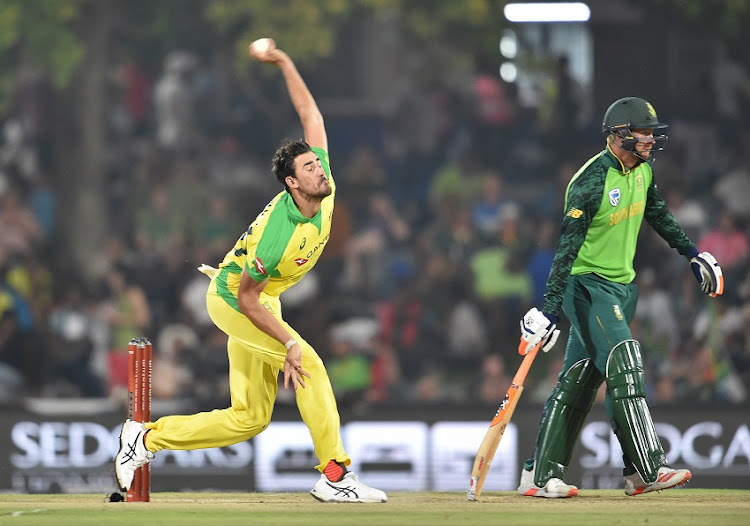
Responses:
[261,45]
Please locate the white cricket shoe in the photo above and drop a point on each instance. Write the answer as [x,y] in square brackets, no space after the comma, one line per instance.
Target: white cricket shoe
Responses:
[666,478]
[348,489]
[132,455]
[553,489]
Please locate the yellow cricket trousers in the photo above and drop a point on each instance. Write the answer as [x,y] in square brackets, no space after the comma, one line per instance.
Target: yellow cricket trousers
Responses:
[255,360]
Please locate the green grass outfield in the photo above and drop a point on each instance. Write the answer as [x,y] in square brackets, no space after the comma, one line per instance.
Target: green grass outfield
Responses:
[592,507]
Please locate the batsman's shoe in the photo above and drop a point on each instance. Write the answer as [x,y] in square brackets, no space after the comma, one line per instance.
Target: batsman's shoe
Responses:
[553,489]
[132,455]
[667,478]
[348,489]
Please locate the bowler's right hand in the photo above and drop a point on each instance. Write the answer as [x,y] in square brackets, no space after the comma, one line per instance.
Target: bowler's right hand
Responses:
[293,368]
[271,55]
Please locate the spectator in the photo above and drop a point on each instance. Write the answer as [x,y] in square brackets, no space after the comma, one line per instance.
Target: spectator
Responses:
[490,207]
[349,366]
[174,99]
[413,135]
[451,237]
[172,364]
[690,213]
[730,81]
[71,342]
[429,387]
[540,258]
[129,316]
[467,337]
[493,380]
[457,183]
[543,386]
[31,103]
[193,302]
[501,283]
[20,352]
[19,228]
[136,87]
[655,323]
[379,247]
[403,326]
[494,113]
[552,191]
[565,107]
[160,227]
[728,242]
[387,379]
[716,328]
[214,231]
[732,244]
[732,188]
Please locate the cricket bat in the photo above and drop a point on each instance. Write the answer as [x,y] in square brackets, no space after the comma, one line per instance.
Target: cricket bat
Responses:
[494,434]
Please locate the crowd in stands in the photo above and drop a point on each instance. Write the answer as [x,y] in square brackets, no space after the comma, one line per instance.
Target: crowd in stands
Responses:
[444,232]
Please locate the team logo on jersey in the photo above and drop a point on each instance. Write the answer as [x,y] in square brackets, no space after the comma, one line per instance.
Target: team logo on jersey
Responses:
[575,213]
[259,266]
[300,261]
[614,196]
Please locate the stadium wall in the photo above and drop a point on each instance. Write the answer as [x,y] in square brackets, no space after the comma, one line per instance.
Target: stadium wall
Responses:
[404,448]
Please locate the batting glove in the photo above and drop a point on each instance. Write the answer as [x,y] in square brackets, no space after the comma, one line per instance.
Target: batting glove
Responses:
[537,327]
[708,273]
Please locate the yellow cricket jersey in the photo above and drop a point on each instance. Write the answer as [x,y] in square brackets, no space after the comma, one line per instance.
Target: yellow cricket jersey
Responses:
[281,245]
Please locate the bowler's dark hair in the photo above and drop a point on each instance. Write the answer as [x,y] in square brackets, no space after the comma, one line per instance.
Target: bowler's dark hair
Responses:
[283,159]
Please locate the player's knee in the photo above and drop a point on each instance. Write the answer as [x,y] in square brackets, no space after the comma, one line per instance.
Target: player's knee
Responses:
[625,378]
[578,385]
[252,421]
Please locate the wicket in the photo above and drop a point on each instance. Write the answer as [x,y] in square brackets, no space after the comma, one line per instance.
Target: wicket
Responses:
[139,408]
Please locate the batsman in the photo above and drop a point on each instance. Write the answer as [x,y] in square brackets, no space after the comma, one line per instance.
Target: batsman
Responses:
[591,280]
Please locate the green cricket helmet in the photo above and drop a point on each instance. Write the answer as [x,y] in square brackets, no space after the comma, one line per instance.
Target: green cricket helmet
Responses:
[633,113]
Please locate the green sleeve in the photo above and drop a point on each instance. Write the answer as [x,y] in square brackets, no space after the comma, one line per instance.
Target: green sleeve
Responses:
[661,219]
[582,201]
[268,246]
[324,160]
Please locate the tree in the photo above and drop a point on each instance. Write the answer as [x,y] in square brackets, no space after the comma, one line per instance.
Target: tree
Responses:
[308,30]
[723,19]
[38,32]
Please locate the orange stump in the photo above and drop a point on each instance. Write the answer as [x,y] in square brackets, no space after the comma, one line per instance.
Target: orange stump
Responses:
[140,356]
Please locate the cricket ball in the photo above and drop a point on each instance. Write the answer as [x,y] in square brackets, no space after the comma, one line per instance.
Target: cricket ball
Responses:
[262,45]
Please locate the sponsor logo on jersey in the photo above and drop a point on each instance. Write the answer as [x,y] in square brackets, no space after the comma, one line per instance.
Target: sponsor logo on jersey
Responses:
[614,196]
[300,261]
[259,266]
[304,242]
[639,182]
[627,212]
[618,312]
[574,213]
[317,247]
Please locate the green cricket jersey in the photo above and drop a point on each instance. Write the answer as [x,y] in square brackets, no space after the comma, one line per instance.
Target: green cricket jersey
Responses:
[604,209]
[281,245]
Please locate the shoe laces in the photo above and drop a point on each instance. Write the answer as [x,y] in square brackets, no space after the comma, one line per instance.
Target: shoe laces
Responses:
[347,491]
[130,451]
